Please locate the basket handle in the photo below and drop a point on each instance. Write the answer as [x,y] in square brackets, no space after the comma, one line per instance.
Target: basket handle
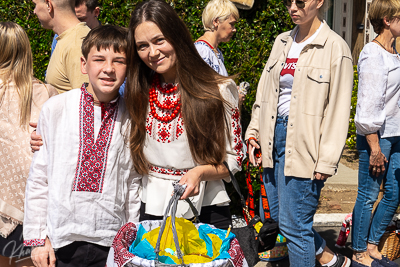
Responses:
[173,204]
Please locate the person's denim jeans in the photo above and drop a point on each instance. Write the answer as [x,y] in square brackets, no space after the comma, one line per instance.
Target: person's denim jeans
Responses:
[293,202]
[366,229]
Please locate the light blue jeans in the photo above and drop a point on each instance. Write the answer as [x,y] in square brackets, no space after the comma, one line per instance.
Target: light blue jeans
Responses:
[367,228]
[293,202]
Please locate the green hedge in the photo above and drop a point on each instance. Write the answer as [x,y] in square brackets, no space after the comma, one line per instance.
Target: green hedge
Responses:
[351,136]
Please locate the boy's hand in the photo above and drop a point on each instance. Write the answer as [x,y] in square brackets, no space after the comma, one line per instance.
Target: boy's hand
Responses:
[44,256]
[36,140]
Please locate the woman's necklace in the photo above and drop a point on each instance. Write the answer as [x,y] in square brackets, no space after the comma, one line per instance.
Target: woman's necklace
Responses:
[171,109]
[382,45]
[209,44]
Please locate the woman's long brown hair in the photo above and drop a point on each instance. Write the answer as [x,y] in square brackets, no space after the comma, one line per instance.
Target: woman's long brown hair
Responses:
[202,109]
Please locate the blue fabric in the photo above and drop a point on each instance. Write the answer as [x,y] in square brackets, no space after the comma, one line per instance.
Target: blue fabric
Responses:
[293,202]
[53,44]
[122,88]
[365,230]
[226,242]
[139,236]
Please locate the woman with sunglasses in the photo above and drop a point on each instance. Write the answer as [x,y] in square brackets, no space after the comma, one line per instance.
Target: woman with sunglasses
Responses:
[378,140]
[300,121]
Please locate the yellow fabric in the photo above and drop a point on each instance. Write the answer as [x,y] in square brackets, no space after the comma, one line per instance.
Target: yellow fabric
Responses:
[258,226]
[64,69]
[193,248]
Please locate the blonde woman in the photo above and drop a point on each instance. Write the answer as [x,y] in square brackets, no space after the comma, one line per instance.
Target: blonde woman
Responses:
[219,19]
[21,98]
[300,119]
[378,141]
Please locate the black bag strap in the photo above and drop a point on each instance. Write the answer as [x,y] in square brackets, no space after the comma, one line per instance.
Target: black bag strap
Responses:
[237,189]
[236,185]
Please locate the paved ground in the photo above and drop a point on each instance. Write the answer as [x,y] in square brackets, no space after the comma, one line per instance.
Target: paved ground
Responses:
[328,225]
[345,178]
[330,234]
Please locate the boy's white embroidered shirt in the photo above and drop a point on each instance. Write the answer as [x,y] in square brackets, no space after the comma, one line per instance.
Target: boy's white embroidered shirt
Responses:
[67,213]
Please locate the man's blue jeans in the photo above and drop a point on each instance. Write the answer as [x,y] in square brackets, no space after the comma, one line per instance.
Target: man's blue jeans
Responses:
[366,229]
[293,202]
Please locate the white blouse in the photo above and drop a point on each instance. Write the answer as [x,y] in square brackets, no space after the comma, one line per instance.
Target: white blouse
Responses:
[213,59]
[167,150]
[378,103]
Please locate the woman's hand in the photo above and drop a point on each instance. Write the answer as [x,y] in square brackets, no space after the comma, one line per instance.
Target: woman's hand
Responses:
[44,256]
[192,180]
[200,173]
[36,140]
[377,162]
[253,157]
[377,159]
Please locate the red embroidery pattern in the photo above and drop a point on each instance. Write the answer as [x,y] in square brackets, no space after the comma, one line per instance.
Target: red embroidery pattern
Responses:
[237,136]
[122,241]
[236,253]
[92,160]
[34,242]
[149,124]
[179,126]
[165,132]
[175,172]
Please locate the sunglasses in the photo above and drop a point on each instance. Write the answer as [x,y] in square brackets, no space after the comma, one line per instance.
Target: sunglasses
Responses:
[298,3]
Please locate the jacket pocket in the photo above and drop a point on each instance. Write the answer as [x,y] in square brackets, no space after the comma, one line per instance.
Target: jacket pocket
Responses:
[316,91]
[270,65]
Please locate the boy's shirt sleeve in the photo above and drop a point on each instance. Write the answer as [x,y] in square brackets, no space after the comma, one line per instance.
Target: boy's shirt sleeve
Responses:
[133,202]
[36,192]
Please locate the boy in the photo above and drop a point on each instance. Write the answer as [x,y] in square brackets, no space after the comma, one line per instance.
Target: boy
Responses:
[82,187]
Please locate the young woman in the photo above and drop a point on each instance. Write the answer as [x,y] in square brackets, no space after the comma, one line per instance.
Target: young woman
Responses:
[378,140]
[185,119]
[300,118]
[21,98]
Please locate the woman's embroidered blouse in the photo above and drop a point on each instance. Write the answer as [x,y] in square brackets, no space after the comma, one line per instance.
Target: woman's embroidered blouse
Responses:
[378,99]
[213,59]
[168,153]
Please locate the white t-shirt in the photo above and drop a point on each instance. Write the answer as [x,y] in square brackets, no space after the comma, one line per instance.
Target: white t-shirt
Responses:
[287,73]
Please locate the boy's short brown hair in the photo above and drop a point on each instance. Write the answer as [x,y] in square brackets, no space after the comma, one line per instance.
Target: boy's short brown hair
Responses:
[104,37]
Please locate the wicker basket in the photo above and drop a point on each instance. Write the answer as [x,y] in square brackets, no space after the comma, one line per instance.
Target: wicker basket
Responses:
[389,245]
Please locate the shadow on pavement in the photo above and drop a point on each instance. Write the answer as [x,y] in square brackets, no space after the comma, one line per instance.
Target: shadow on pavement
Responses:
[330,235]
